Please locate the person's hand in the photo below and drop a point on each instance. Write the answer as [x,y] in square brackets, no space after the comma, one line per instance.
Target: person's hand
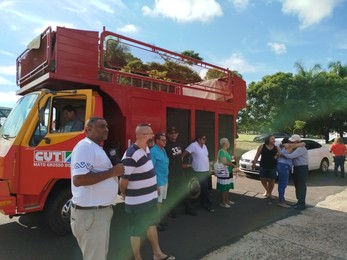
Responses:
[253,165]
[118,170]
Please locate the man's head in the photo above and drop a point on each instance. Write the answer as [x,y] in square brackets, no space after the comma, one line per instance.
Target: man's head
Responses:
[172,133]
[97,129]
[144,134]
[160,139]
[69,113]
[295,139]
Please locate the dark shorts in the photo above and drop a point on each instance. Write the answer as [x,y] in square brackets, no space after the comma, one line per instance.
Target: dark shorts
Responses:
[267,173]
[140,221]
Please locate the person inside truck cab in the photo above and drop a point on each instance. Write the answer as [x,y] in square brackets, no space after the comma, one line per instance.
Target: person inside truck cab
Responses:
[72,122]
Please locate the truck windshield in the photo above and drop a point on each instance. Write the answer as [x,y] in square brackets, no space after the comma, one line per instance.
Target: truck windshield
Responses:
[18,115]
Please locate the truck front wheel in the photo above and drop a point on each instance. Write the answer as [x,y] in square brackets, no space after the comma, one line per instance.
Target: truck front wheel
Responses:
[57,212]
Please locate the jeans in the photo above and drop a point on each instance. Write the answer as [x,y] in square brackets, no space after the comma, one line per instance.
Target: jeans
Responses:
[339,162]
[300,175]
[283,170]
[203,178]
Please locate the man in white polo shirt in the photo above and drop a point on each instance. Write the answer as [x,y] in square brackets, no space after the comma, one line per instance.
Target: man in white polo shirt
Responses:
[94,186]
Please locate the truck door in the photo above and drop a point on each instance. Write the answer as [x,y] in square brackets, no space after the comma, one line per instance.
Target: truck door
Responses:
[47,144]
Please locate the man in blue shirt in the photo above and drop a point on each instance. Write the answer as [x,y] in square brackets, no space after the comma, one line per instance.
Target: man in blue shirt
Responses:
[161,168]
[300,162]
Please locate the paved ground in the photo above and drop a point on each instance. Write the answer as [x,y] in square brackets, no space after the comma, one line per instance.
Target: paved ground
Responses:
[318,232]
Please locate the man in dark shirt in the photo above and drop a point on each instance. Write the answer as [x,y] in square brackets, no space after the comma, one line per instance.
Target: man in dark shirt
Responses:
[178,188]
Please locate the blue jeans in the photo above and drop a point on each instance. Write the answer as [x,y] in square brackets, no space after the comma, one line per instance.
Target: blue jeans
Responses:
[283,170]
[300,175]
[339,162]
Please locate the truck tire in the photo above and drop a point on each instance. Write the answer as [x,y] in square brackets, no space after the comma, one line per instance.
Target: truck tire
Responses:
[57,212]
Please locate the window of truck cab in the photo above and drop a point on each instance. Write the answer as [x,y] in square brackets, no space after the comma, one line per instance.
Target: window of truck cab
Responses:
[51,117]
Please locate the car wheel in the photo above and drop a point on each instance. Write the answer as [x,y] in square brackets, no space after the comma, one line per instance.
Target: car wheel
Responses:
[324,165]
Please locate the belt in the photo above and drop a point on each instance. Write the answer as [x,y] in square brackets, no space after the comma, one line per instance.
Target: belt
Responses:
[90,207]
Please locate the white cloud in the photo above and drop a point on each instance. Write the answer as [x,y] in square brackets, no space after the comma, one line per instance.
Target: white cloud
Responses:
[101,6]
[129,28]
[240,4]
[6,53]
[5,4]
[239,63]
[277,48]
[309,12]
[5,82]
[9,70]
[8,99]
[53,24]
[185,10]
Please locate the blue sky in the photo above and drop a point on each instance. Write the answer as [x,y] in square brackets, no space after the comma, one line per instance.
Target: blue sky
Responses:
[254,37]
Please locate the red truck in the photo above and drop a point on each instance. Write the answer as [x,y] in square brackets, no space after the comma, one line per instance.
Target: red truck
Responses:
[121,79]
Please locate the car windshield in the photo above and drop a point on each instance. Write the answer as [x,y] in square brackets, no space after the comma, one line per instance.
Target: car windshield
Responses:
[18,115]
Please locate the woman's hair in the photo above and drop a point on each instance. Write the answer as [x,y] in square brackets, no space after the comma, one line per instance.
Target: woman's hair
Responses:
[267,139]
[223,141]
[199,136]
[338,140]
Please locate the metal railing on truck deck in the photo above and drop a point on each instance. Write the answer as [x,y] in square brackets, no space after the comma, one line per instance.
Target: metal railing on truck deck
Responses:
[35,60]
[126,61]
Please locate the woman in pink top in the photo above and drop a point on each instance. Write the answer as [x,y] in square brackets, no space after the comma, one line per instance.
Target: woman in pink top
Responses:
[338,149]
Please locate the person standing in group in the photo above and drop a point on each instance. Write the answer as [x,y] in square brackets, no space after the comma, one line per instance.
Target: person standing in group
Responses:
[178,184]
[300,162]
[226,183]
[269,153]
[161,169]
[338,149]
[284,167]
[201,168]
[94,186]
[138,186]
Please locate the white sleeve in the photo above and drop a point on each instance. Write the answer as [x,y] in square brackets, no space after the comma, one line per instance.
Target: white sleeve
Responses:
[82,159]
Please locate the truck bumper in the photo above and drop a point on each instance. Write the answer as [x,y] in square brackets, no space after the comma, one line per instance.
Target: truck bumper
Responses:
[7,202]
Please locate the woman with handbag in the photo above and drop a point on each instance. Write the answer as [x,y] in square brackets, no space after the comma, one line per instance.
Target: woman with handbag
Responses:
[224,173]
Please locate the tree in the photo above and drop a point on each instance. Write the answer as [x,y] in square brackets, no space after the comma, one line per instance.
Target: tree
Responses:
[192,54]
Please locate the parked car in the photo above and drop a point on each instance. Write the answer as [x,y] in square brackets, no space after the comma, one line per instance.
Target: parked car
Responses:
[344,140]
[262,137]
[319,157]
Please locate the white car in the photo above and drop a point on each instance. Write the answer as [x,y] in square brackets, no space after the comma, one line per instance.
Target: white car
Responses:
[319,157]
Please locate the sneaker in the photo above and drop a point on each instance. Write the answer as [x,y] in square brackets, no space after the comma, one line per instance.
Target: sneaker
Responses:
[283,204]
[231,202]
[224,205]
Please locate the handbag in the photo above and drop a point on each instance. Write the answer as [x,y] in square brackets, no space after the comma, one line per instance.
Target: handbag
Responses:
[220,170]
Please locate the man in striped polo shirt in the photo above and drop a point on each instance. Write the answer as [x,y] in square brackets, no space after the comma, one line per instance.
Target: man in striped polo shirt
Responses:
[138,185]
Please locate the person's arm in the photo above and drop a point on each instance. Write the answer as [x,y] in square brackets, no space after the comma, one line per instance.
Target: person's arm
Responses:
[123,185]
[290,147]
[184,155]
[93,178]
[297,153]
[256,157]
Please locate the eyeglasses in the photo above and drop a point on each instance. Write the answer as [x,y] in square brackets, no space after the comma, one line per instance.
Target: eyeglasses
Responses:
[164,140]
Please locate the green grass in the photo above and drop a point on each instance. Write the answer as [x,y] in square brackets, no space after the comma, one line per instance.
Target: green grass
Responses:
[245,143]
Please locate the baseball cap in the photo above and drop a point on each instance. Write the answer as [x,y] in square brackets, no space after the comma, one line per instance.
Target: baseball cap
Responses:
[172,129]
[295,138]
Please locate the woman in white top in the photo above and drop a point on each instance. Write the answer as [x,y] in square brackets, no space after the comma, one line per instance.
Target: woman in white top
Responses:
[201,166]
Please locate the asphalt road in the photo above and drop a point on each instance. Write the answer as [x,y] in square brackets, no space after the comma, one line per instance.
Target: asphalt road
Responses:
[186,237]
